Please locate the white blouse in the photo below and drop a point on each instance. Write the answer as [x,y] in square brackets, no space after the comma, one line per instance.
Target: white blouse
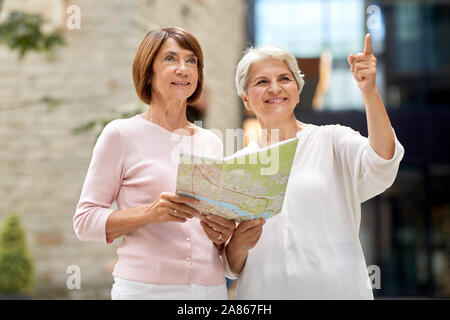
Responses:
[311,250]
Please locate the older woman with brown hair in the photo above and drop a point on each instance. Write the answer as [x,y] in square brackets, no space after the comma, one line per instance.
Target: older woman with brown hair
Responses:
[311,250]
[166,251]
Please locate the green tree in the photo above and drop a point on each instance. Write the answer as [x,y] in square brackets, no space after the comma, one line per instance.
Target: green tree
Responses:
[23,32]
[16,266]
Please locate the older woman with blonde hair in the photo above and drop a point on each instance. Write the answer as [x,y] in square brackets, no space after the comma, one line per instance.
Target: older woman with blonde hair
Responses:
[311,250]
[166,251]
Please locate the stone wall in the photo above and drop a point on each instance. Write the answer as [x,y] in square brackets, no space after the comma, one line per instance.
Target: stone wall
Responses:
[43,164]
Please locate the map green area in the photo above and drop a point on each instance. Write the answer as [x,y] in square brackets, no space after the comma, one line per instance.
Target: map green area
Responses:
[239,187]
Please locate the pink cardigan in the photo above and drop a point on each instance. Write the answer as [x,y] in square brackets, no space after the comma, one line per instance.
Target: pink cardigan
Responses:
[133,161]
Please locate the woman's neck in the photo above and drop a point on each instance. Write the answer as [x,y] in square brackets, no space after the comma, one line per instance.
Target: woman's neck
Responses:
[272,132]
[171,115]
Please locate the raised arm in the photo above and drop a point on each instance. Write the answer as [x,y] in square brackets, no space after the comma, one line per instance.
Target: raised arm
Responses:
[363,67]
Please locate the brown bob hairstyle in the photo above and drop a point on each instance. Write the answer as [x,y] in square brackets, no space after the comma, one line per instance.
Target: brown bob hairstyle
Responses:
[143,61]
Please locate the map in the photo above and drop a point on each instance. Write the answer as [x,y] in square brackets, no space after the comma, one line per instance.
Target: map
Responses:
[241,187]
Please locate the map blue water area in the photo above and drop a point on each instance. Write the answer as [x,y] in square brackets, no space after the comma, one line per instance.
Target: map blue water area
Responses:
[229,206]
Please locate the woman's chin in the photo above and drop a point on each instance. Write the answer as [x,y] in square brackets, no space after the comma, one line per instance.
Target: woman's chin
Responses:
[278,112]
[181,94]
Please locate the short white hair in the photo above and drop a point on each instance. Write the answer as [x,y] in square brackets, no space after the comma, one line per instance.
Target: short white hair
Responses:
[252,55]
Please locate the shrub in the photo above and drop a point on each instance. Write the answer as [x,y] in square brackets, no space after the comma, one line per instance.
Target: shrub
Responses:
[16,266]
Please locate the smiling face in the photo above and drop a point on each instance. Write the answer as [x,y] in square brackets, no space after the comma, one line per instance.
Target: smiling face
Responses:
[272,91]
[175,72]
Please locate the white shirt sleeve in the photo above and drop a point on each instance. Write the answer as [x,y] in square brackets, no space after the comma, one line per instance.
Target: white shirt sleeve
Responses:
[370,174]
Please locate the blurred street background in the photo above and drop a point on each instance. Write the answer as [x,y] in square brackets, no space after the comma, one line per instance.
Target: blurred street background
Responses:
[65,71]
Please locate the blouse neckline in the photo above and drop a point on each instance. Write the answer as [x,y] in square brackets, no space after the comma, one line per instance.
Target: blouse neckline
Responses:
[150,123]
